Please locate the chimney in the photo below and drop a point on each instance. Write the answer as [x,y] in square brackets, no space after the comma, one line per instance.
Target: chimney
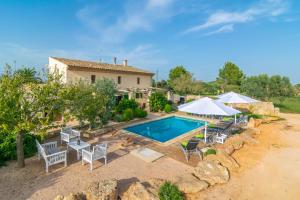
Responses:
[115,60]
[125,63]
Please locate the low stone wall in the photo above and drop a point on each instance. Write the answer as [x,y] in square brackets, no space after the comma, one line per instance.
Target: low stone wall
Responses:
[260,108]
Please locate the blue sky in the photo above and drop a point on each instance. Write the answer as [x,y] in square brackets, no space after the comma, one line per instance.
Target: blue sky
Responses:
[260,36]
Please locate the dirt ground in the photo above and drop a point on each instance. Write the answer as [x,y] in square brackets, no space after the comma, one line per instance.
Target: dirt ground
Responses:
[269,170]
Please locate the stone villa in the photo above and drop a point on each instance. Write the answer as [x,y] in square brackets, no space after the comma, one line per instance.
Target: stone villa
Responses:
[131,81]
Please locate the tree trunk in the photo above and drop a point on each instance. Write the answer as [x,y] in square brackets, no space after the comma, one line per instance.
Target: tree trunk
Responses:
[20,149]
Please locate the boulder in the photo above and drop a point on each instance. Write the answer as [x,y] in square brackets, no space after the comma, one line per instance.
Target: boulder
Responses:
[103,190]
[212,172]
[227,147]
[223,158]
[137,191]
[155,184]
[251,123]
[71,196]
[189,184]
[247,137]
[59,197]
[236,142]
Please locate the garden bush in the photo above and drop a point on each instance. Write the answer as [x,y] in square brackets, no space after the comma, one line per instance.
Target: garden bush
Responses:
[128,114]
[168,108]
[169,191]
[139,113]
[118,118]
[157,102]
[255,116]
[125,104]
[8,147]
[210,151]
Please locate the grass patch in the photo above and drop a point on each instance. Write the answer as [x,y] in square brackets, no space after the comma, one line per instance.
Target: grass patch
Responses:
[169,191]
[288,105]
[210,151]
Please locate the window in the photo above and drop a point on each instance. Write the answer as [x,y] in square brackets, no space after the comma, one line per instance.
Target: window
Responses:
[138,95]
[119,79]
[138,80]
[93,78]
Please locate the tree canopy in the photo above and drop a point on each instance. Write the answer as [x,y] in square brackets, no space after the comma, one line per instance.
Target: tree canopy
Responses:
[231,74]
[177,72]
[264,87]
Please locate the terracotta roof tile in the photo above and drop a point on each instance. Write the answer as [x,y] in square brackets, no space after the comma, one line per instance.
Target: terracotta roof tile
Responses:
[101,66]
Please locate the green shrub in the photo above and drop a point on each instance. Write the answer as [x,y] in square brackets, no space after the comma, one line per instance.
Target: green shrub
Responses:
[8,147]
[118,118]
[157,101]
[168,108]
[168,191]
[255,116]
[128,114]
[139,113]
[190,100]
[125,104]
[210,151]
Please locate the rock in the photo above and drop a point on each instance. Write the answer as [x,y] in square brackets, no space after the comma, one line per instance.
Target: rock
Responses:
[246,137]
[59,197]
[251,123]
[154,184]
[77,196]
[228,148]
[103,190]
[211,172]
[137,191]
[190,184]
[225,159]
[264,108]
[235,141]
[71,196]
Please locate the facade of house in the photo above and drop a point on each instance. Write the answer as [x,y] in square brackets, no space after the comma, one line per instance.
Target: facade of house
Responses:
[131,81]
[126,77]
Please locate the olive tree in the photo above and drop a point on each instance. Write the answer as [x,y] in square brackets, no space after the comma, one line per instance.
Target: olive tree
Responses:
[26,106]
[92,102]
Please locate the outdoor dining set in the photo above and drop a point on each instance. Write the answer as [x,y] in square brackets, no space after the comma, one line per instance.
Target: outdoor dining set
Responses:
[53,155]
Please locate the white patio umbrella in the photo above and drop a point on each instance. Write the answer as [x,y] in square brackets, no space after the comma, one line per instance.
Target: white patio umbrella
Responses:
[208,106]
[232,97]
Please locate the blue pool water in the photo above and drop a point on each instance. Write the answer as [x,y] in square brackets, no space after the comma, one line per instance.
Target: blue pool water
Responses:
[165,129]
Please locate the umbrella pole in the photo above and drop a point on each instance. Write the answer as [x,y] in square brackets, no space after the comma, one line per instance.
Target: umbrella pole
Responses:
[205,131]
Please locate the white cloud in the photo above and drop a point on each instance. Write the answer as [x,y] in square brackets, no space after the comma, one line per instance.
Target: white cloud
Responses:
[224,29]
[264,9]
[133,17]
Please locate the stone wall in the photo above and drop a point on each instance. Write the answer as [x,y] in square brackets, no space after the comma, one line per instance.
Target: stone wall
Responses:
[260,108]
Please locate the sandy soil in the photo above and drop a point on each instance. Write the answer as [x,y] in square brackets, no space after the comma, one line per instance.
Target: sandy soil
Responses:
[269,170]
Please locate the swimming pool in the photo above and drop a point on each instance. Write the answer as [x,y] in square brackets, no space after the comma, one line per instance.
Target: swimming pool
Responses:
[165,129]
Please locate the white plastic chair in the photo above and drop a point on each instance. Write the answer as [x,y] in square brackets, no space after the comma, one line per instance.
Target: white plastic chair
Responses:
[99,151]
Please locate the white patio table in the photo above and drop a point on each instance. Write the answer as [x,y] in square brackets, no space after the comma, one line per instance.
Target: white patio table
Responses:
[79,147]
